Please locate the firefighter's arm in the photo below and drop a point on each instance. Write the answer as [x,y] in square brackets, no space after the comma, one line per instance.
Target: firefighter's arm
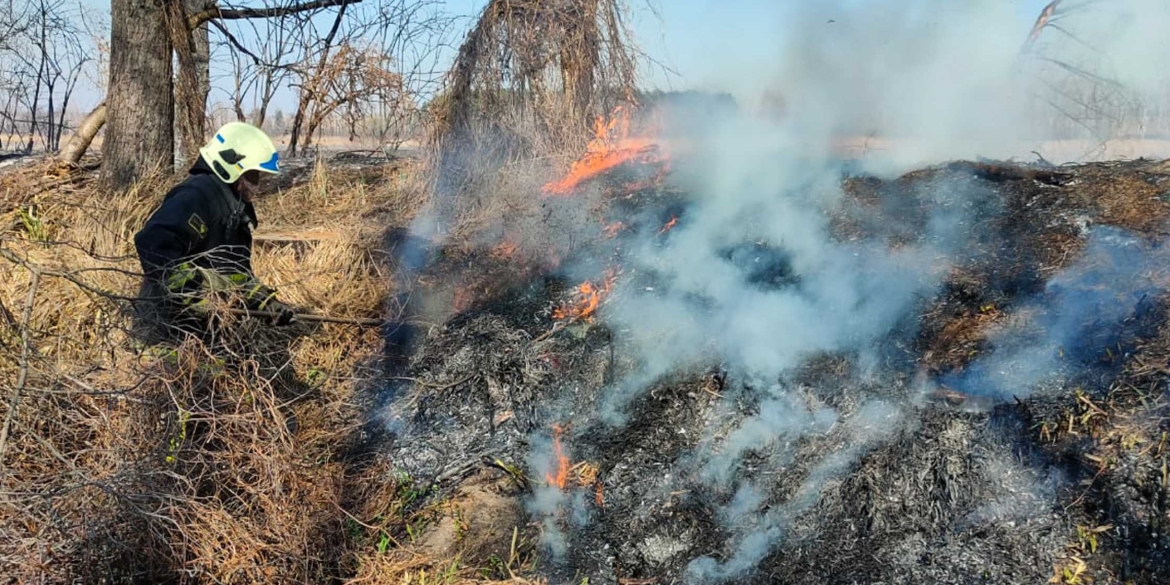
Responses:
[170,236]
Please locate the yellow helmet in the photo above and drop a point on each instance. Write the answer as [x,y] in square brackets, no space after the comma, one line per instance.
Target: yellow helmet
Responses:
[238,148]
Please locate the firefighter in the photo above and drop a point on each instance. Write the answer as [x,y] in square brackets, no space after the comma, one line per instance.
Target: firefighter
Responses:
[198,243]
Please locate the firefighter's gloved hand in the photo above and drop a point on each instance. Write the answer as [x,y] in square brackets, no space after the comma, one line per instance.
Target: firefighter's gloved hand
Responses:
[258,297]
[282,313]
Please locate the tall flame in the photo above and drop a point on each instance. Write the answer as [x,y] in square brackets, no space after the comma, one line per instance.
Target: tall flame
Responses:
[562,472]
[610,147]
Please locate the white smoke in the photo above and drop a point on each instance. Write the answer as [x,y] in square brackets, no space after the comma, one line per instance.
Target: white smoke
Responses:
[1079,316]
[873,423]
[761,209]
[779,418]
[921,82]
[1023,493]
[548,502]
[928,81]
[925,81]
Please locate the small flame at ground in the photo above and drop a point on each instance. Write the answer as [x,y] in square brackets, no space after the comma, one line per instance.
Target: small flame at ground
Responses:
[562,471]
[587,298]
[565,474]
[669,225]
[611,146]
[612,229]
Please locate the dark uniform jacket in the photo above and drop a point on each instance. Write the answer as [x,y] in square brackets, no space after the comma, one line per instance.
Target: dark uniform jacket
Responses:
[201,223]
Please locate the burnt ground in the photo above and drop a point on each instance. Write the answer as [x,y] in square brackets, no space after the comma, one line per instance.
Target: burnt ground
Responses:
[1066,485]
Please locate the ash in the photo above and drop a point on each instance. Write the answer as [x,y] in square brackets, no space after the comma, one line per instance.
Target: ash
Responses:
[853,467]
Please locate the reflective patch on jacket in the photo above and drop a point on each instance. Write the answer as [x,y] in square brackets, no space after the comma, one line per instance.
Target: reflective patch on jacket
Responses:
[183,275]
[197,225]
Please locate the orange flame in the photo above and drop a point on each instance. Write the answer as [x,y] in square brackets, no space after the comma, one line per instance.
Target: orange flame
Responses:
[587,298]
[562,475]
[611,147]
[669,225]
[599,494]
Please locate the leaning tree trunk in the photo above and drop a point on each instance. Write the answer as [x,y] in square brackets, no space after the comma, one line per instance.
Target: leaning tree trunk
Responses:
[86,131]
[140,132]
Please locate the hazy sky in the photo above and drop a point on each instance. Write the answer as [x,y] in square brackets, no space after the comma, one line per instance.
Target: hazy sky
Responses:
[710,43]
[696,44]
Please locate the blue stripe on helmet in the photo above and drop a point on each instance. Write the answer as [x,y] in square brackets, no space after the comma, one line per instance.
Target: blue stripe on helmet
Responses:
[220,138]
[271,164]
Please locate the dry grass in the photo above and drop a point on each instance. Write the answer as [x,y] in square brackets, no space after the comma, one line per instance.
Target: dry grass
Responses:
[219,460]
[1129,200]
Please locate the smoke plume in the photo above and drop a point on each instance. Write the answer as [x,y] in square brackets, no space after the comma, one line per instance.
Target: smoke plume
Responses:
[755,277]
[873,423]
[1081,315]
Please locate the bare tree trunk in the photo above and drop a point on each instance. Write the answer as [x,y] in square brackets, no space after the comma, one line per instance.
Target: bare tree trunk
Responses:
[320,115]
[268,87]
[309,87]
[141,103]
[32,130]
[238,108]
[202,61]
[298,121]
[238,96]
[6,117]
[260,113]
[70,85]
[314,124]
[86,132]
[50,88]
[43,77]
[193,81]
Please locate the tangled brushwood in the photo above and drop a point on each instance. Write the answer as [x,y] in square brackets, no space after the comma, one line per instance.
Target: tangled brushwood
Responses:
[529,80]
[236,458]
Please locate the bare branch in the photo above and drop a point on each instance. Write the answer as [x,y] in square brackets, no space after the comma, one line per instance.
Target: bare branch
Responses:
[235,43]
[1042,21]
[244,13]
[26,349]
[1083,73]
